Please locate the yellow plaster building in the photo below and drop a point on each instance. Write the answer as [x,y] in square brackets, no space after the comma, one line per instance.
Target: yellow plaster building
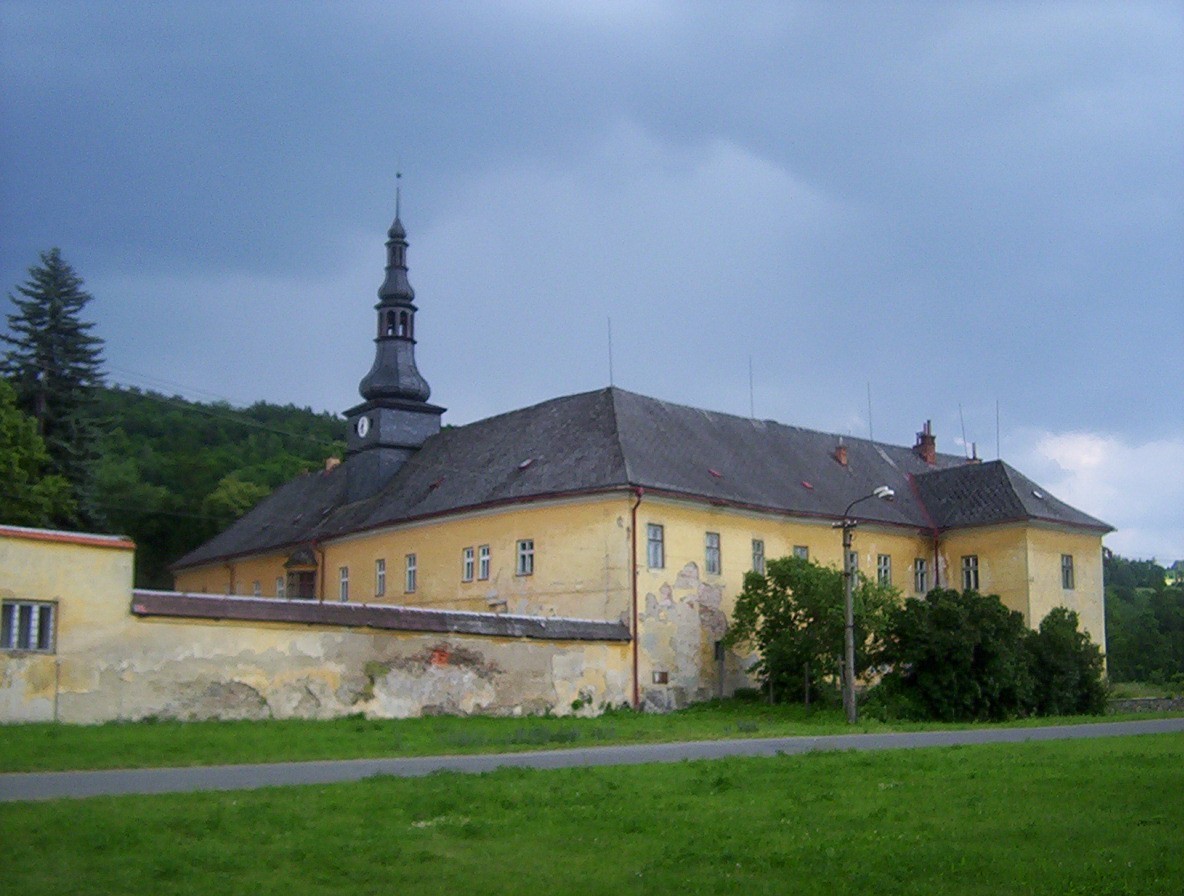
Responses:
[613,507]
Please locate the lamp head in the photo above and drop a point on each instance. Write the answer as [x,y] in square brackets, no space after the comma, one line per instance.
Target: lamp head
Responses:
[884,493]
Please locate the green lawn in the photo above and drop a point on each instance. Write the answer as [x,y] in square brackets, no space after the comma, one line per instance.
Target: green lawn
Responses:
[50,747]
[1093,817]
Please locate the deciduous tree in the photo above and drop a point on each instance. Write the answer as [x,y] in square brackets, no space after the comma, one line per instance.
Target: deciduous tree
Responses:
[793,616]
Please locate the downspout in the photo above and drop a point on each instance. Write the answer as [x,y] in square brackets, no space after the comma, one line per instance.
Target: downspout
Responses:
[932,529]
[639,491]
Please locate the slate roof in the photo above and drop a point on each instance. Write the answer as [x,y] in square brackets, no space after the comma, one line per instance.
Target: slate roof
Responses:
[611,439]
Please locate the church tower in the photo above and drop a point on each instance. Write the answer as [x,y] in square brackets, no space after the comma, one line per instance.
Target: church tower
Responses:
[395,418]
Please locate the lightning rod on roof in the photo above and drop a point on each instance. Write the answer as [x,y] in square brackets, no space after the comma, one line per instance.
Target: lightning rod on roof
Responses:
[610,350]
[751,400]
[962,420]
[871,436]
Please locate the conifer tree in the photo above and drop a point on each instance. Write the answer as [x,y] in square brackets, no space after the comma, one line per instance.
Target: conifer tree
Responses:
[54,363]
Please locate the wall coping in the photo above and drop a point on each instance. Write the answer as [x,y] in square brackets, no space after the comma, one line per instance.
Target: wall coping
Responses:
[83,538]
[186,605]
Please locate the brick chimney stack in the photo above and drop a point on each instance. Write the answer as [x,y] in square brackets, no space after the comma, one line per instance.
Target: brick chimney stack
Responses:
[926,447]
[841,452]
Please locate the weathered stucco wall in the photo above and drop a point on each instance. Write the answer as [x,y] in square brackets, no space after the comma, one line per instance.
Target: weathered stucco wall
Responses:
[112,664]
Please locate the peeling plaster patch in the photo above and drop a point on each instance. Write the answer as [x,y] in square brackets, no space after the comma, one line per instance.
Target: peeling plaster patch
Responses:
[688,576]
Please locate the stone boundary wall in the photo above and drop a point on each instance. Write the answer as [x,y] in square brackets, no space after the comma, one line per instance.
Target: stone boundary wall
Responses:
[177,656]
[1146,704]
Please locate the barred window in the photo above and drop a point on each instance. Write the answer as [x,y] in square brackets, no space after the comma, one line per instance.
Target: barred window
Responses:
[27,625]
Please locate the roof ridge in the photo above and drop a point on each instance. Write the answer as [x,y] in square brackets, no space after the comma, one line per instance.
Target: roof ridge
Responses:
[612,403]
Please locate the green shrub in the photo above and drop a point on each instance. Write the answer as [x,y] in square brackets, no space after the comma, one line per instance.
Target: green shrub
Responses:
[1067,667]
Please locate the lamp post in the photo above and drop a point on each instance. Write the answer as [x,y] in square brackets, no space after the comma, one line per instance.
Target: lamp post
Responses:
[884,493]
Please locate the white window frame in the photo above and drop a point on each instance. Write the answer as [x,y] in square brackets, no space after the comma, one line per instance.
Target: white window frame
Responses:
[281,583]
[483,562]
[1068,577]
[343,584]
[525,562]
[411,575]
[884,569]
[920,575]
[713,561]
[39,635]
[655,546]
[380,577]
[466,571]
[801,552]
[970,580]
[758,556]
[256,588]
[853,561]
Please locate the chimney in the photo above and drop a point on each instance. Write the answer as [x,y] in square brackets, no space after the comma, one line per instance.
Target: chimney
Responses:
[841,452]
[926,447]
[974,458]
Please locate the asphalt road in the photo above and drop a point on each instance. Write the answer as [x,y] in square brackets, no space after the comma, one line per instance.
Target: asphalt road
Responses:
[57,785]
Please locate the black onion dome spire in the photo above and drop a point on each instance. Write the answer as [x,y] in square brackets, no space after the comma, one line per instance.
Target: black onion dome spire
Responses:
[394,375]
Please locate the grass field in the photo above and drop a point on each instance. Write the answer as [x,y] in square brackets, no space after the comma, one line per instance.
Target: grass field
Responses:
[1093,817]
[49,747]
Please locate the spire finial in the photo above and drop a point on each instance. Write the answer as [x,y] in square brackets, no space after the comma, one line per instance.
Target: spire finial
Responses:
[398,177]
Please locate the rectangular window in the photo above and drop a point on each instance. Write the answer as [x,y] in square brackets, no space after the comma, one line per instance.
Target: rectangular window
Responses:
[409,582]
[758,555]
[343,589]
[970,572]
[525,557]
[801,552]
[884,569]
[483,562]
[853,561]
[920,576]
[380,577]
[26,625]
[1067,571]
[712,560]
[655,546]
[466,566]
[279,586]
[256,588]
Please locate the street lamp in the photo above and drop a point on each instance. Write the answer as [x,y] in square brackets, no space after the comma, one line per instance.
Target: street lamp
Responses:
[884,493]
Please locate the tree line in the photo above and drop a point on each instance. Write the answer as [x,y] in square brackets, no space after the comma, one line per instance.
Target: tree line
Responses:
[79,454]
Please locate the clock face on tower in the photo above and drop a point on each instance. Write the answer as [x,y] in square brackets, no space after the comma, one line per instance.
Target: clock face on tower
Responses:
[362,426]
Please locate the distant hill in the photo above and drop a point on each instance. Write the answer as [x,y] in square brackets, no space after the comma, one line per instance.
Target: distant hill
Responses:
[174,472]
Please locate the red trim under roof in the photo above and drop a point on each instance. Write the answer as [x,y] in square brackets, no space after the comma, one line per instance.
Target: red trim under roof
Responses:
[82,538]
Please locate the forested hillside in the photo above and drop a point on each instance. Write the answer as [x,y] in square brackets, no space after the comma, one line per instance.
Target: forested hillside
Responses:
[1144,622]
[171,473]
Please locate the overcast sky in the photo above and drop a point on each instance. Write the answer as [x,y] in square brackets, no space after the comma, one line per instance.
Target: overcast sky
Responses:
[888,212]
